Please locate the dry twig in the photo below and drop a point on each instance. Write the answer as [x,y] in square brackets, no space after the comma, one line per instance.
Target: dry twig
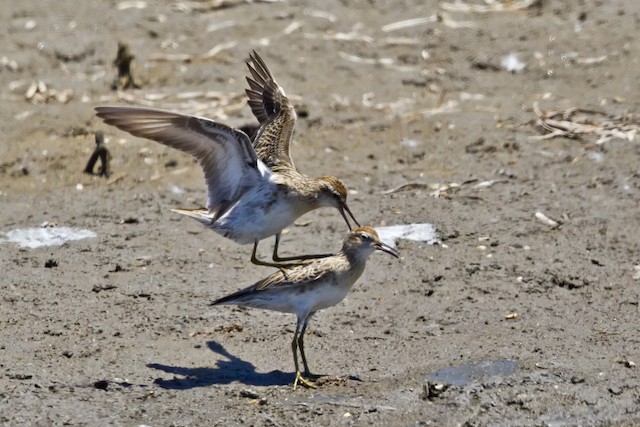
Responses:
[577,123]
[123,61]
[101,152]
[489,6]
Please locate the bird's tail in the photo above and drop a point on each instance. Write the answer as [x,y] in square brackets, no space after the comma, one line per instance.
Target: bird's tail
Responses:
[201,215]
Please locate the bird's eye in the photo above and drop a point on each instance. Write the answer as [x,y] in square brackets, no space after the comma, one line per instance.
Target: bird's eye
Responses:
[364,237]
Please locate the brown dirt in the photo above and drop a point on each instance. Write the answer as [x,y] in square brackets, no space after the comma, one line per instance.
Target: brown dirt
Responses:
[120,332]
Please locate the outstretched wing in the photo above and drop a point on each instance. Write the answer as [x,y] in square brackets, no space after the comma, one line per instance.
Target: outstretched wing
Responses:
[275,113]
[225,154]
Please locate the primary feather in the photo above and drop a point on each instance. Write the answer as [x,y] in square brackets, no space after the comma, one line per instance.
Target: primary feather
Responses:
[226,155]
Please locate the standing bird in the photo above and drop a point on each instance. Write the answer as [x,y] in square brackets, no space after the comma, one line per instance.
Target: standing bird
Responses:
[307,288]
[254,190]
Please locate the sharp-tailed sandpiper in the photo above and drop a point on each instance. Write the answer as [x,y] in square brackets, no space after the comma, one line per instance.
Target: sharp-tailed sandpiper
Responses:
[254,190]
[307,288]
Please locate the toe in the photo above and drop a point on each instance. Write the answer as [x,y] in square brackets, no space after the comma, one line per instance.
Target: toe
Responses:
[302,381]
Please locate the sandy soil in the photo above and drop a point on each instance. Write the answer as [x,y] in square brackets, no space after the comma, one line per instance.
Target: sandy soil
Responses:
[537,324]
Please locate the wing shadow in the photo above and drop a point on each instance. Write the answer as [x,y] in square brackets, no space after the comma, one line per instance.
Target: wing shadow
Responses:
[227,371]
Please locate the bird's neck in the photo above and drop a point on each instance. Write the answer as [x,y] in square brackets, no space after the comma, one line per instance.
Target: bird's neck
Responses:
[355,258]
[307,190]
[353,266]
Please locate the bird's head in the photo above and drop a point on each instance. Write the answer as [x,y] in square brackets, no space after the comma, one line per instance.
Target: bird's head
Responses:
[364,241]
[334,194]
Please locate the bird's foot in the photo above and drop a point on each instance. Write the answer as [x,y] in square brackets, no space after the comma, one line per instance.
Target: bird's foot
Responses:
[278,265]
[300,259]
[284,273]
[303,381]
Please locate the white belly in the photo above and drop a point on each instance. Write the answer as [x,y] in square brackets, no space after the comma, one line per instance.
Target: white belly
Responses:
[303,302]
[329,297]
[255,218]
[303,299]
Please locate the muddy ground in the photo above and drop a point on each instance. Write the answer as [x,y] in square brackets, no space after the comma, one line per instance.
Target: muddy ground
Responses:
[117,329]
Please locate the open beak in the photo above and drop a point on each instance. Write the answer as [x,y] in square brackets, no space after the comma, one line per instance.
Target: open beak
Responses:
[344,210]
[386,248]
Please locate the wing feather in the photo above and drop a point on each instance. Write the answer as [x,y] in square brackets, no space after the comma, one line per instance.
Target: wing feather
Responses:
[275,113]
[226,156]
[309,272]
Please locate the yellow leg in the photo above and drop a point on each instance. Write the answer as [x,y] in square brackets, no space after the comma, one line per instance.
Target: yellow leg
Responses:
[297,335]
[280,265]
[299,259]
[302,380]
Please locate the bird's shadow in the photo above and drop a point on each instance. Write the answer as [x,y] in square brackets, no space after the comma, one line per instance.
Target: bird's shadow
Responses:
[233,369]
